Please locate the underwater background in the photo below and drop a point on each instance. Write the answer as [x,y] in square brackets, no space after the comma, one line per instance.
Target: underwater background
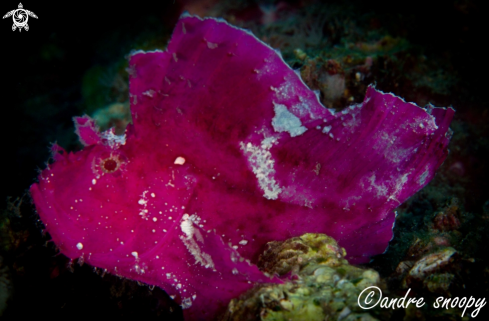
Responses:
[73,61]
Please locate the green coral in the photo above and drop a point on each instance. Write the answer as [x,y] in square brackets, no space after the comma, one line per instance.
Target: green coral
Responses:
[298,252]
[322,286]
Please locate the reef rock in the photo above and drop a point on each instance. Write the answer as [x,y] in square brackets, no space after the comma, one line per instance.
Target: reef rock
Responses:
[229,150]
[324,286]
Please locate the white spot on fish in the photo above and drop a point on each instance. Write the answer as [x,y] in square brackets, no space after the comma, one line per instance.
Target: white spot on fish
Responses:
[192,236]
[285,121]
[186,303]
[150,93]
[179,161]
[262,164]
[326,129]
[211,45]
[422,178]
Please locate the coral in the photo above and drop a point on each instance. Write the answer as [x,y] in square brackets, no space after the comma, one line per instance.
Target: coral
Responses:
[443,254]
[5,287]
[448,219]
[325,287]
[11,238]
[297,252]
[431,263]
[117,115]
[229,150]
[433,268]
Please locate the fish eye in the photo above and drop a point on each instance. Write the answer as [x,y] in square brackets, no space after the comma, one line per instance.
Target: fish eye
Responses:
[110,164]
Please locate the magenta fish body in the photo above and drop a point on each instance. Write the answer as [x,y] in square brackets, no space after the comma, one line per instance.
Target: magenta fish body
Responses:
[229,150]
